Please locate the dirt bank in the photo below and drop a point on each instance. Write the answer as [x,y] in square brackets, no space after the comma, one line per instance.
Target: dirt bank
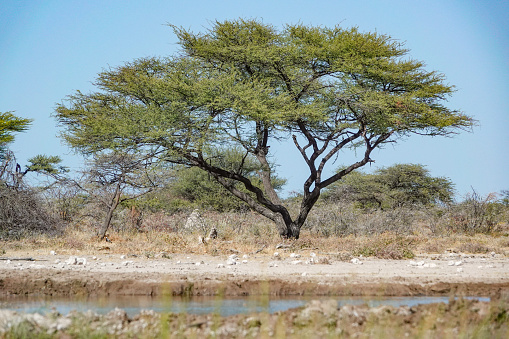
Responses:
[306,274]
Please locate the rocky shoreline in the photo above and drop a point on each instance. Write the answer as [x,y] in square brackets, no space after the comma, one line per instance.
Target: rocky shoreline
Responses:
[318,319]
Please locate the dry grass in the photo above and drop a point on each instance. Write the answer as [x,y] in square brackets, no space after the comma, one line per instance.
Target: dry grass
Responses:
[236,236]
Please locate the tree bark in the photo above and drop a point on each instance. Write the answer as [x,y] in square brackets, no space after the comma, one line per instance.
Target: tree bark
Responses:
[107,220]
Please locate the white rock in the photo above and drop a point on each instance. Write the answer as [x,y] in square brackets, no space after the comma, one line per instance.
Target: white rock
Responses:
[8,262]
[245,256]
[244,261]
[450,263]
[294,255]
[57,261]
[432,265]
[356,261]
[459,269]
[52,253]
[458,263]
[312,255]
[81,261]
[71,261]
[304,274]
[272,264]
[276,254]
[296,262]
[127,263]
[220,265]
[492,254]
[122,256]
[63,323]
[179,262]
[94,258]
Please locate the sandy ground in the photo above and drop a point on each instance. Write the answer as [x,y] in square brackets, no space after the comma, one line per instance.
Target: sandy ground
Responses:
[286,274]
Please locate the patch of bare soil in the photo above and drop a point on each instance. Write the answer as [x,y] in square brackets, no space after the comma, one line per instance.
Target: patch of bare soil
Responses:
[112,274]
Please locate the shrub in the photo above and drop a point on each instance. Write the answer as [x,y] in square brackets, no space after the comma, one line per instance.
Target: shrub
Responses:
[22,214]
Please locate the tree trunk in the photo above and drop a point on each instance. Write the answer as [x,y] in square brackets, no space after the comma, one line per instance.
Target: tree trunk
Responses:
[291,231]
[109,215]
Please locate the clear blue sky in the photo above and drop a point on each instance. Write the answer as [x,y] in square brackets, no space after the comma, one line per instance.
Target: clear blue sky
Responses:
[49,49]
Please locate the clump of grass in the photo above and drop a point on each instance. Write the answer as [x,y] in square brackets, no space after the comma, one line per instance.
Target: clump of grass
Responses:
[387,246]
[474,247]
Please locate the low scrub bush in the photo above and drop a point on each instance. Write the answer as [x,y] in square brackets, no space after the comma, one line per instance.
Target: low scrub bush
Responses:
[22,214]
[387,246]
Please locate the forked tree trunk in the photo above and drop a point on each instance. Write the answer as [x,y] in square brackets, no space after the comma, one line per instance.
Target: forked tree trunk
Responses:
[291,231]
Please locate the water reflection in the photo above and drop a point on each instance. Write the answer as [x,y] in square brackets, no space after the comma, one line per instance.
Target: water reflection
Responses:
[196,305]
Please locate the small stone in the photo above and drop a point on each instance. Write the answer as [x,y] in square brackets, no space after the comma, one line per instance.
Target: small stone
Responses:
[432,265]
[458,263]
[294,255]
[52,253]
[122,256]
[356,261]
[459,269]
[304,274]
[81,261]
[276,254]
[312,255]
[244,261]
[220,265]
[245,256]
[71,261]
[296,262]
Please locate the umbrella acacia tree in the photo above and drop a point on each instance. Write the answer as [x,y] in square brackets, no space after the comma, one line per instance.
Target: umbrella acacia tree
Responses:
[245,83]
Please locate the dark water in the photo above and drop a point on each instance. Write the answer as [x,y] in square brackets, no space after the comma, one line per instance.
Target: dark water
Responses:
[196,305]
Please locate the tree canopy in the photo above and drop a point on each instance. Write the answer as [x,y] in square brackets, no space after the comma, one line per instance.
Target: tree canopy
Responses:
[247,84]
[9,124]
[394,186]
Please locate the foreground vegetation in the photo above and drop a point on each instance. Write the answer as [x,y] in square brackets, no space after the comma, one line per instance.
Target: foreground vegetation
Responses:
[319,319]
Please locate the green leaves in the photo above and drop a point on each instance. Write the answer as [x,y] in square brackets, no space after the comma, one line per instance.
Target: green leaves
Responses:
[9,124]
[46,164]
[245,84]
[394,186]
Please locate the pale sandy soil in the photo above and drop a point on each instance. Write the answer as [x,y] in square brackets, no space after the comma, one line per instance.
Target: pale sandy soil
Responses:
[114,274]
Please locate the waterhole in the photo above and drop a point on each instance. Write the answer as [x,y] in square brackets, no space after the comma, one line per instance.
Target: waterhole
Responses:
[197,305]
